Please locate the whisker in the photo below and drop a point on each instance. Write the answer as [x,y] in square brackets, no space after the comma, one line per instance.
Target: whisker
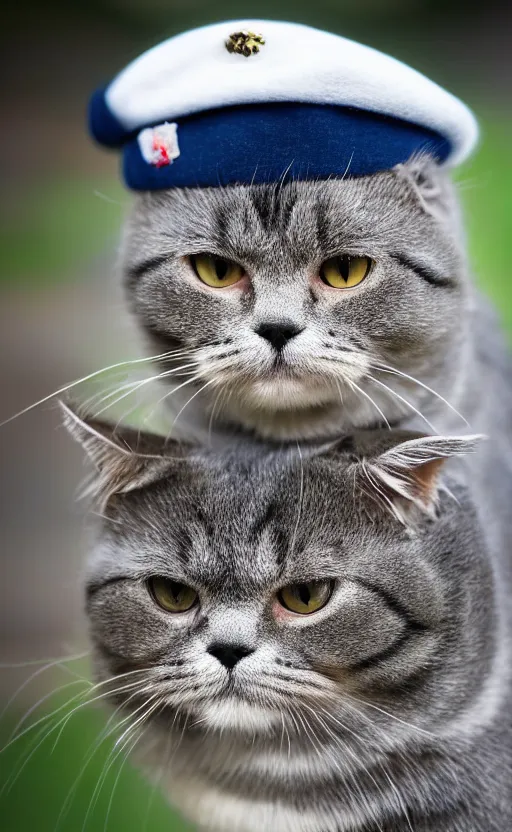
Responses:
[112,756]
[391,716]
[338,385]
[47,696]
[158,780]
[118,775]
[45,732]
[128,389]
[136,386]
[157,697]
[119,750]
[381,766]
[47,662]
[390,741]
[346,749]
[14,737]
[171,393]
[14,733]
[47,666]
[93,748]
[34,748]
[393,371]
[401,398]
[399,797]
[82,380]
[138,692]
[204,386]
[289,711]
[360,390]
[42,735]
[285,729]
[217,401]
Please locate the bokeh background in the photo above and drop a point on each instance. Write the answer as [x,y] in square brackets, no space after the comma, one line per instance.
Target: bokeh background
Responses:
[62,317]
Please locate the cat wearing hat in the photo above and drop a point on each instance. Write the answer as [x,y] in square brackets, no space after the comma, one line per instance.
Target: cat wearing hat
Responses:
[295,254]
[295,260]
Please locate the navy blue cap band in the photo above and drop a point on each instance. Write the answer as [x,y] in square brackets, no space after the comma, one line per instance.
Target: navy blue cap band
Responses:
[262,143]
[103,125]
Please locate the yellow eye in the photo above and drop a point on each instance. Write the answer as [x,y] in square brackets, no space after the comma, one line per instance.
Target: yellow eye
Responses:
[305,598]
[216,272]
[345,272]
[172,596]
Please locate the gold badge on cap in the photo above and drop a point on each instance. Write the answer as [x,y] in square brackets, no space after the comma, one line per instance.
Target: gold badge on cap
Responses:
[244,43]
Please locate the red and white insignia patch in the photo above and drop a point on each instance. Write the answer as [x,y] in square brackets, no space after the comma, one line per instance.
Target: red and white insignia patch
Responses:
[159,145]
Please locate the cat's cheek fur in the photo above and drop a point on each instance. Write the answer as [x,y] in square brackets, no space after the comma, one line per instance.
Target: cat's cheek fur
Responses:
[408,313]
[370,629]
[127,623]
[156,299]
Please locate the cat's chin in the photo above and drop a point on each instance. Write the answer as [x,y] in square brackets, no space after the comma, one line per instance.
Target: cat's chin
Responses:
[233,714]
[281,394]
[315,422]
[281,408]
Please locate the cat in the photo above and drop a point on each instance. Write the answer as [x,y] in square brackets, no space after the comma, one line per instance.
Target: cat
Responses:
[281,353]
[316,641]
[413,345]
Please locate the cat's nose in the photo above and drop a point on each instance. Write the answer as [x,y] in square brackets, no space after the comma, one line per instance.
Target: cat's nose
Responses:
[229,654]
[278,333]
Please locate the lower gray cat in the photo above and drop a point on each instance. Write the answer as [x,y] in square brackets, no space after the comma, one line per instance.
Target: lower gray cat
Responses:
[315,643]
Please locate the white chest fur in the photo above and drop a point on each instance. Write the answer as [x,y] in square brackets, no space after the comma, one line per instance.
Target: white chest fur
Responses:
[214,810]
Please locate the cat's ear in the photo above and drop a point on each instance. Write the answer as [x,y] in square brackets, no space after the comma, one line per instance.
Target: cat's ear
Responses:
[405,477]
[428,183]
[123,458]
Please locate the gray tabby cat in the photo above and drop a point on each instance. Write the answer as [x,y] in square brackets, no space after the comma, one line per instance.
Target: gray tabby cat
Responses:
[283,354]
[315,643]
[310,309]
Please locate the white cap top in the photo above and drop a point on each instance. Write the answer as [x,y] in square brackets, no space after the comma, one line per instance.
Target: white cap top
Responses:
[194,71]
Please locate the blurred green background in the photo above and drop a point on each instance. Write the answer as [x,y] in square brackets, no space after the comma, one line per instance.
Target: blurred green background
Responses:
[62,316]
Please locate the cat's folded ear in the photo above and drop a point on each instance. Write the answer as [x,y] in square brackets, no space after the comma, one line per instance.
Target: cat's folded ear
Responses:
[404,478]
[123,458]
[429,184]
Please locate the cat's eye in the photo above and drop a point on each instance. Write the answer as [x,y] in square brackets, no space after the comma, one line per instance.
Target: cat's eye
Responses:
[306,598]
[216,272]
[345,271]
[172,596]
